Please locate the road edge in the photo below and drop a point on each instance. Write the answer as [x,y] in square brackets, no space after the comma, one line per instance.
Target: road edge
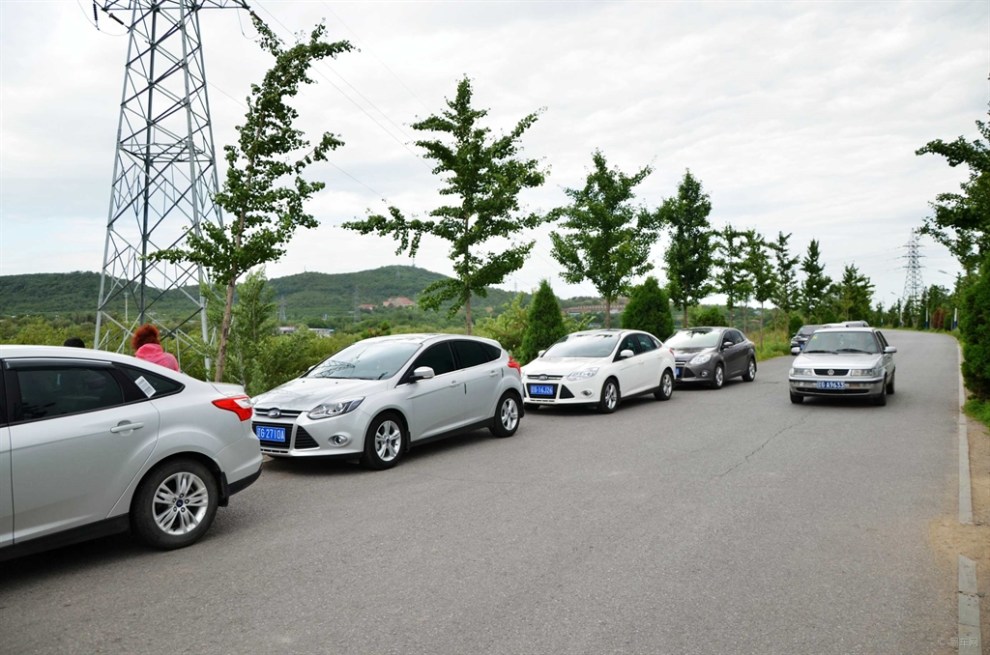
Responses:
[968,628]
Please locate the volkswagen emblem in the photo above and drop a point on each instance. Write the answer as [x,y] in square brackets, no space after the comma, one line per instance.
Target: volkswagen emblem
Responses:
[274,413]
[830,372]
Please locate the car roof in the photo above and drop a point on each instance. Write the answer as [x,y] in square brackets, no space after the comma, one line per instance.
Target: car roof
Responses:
[423,337]
[841,328]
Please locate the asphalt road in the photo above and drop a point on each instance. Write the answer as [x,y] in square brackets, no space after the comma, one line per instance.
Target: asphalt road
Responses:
[723,521]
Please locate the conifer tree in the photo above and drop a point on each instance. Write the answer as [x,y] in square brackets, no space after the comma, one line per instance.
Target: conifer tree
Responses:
[544,324]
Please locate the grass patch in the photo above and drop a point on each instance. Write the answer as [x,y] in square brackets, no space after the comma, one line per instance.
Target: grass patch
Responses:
[979,410]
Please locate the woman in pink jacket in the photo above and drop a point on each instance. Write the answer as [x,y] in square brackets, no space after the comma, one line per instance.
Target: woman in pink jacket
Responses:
[147,347]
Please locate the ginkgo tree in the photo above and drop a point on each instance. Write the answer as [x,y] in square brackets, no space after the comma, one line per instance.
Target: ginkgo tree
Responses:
[483,177]
[609,238]
[264,191]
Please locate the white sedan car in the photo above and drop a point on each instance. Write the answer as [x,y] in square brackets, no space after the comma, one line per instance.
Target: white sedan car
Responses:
[375,398]
[93,443]
[600,367]
[844,363]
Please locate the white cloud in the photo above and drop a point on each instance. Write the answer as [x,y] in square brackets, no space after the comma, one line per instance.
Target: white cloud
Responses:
[797,117]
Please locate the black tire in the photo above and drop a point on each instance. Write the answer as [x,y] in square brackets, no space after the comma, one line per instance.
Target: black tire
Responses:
[610,398]
[175,504]
[750,373]
[881,398]
[506,419]
[666,388]
[384,442]
[718,379]
[890,385]
[797,398]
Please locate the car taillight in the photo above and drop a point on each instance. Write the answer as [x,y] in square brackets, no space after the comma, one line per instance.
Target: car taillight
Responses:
[240,405]
[514,364]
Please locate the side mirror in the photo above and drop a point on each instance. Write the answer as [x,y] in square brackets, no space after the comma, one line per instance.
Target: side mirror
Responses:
[540,353]
[796,350]
[626,354]
[726,344]
[890,350]
[422,373]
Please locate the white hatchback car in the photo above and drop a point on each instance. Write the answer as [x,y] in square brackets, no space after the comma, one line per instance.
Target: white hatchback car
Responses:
[375,398]
[93,443]
[600,367]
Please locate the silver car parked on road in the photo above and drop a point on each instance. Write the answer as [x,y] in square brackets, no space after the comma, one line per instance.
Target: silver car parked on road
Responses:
[844,362]
[93,443]
[375,398]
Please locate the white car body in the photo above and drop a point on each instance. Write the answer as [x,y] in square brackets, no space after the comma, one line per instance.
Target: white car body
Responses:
[82,430]
[426,402]
[627,363]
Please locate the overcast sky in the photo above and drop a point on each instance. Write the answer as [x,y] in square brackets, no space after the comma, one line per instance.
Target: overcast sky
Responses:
[800,117]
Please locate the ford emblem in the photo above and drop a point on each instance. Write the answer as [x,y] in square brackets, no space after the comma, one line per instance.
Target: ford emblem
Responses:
[274,413]
[542,377]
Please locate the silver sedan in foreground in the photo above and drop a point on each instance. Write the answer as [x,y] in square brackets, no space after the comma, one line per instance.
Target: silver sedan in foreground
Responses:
[844,362]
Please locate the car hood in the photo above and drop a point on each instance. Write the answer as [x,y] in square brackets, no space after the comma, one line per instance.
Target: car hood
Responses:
[839,360]
[690,351]
[562,365]
[306,393]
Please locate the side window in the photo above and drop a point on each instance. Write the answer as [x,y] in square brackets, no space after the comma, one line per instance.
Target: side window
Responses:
[882,340]
[55,391]
[646,343]
[734,336]
[150,384]
[438,357]
[630,343]
[473,353]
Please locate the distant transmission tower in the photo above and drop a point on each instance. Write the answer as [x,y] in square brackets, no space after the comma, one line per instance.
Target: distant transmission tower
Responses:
[164,175]
[913,286]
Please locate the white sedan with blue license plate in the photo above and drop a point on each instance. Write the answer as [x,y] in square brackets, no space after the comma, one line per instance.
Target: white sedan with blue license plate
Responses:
[844,362]
[599,368]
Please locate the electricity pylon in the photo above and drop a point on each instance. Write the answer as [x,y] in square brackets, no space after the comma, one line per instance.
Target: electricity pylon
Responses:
[913,286]
[165,173]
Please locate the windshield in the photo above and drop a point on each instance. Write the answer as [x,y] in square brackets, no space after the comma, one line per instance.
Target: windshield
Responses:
[842,342]
[595,344]
[704,338]
[366,360]
[807,330]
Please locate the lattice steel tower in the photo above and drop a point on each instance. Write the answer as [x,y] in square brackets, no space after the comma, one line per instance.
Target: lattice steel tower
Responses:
[164,175]
[913,286]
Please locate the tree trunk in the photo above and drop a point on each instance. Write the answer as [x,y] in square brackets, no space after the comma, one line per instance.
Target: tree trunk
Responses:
[608,313]
[228,308]
[685,321]
[467,313]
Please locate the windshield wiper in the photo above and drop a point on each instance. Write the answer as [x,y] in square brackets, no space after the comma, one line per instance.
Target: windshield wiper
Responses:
[855,350]
[830,352]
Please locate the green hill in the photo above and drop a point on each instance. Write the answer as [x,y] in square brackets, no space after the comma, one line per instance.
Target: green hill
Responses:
[300,297]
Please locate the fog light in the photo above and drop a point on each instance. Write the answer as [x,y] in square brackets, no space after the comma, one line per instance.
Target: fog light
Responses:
[339,440]
[586,393]
[704,374]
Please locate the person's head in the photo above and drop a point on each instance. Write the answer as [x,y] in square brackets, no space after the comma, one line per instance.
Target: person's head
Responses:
[74,342]
[144,335]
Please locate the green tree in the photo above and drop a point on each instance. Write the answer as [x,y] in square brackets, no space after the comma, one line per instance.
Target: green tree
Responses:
[961,221]
[709,316]
[264,190]
[508,327]
[761,272]
[853,294]
[688,258]
[485,176]
[732,278]
[974,325]
[816,284]
[610,238]
[786,294]
[649,309]
[544,324]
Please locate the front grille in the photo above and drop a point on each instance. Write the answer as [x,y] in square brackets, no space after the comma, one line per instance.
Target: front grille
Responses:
[542,378]
[262,412]
[830,372]
[305,440]
[565,392]
[686,374]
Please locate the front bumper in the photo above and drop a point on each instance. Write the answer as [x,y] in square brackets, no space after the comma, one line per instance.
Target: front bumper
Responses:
[339,436]
[832,386]
[687,374]
[561,391]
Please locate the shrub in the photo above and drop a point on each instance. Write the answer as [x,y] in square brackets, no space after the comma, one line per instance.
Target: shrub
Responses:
[649,310]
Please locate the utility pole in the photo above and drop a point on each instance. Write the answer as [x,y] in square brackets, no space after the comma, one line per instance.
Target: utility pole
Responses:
[913,286]
[164,175]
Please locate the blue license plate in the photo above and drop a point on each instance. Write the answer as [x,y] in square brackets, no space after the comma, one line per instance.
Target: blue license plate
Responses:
[269,433]
[677,372]
[541,391]
[831,384]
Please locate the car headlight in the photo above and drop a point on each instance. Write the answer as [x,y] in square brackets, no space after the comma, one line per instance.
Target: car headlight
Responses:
[864,372]
[698,360]
[326,410]
[583,374]
[802,371]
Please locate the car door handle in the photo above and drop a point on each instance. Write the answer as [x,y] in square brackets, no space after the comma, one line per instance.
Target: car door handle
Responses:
[492,374]
[126,426]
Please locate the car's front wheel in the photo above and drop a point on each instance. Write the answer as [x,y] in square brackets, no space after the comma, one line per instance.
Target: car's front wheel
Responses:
[610,397]
[890,385]
[506,419]
[750,373]
[797,398]
[175,504]
[718,377]
[666,388]
[384,443]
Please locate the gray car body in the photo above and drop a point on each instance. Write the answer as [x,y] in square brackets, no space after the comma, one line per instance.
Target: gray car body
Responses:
[844,362]
[732,351]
